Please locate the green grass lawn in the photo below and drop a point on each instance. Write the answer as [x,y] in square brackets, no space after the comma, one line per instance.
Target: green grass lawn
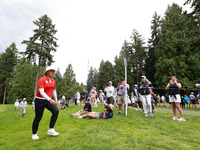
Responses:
[119,133]
[184,108]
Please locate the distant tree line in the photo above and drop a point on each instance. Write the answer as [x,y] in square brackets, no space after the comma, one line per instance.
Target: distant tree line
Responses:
[172,49]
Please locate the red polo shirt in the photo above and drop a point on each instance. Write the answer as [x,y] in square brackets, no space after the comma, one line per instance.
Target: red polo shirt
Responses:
[44,83]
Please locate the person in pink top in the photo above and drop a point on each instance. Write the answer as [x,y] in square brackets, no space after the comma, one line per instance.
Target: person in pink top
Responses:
[93,96]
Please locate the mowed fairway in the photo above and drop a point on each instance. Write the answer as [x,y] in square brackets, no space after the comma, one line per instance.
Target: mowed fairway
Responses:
[119,133]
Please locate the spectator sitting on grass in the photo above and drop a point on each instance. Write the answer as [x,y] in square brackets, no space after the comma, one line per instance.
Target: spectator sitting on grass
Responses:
[64,105]
[187,100]
[87,108]
[108,113]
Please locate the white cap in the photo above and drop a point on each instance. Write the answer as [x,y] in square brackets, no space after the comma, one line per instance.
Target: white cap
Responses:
[143,77]
[49,68]
[24,98]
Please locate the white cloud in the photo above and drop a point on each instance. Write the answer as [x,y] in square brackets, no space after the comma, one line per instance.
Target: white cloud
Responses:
[87,29]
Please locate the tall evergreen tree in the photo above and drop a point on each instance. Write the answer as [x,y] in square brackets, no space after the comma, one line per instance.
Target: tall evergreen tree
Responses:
[22,82]
[151,58]
[195,4]
[8,61]
[174,52]
[41,44]
[90,79]
[106,74]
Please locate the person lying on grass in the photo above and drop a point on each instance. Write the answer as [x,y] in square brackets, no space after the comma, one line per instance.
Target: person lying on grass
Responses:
[87,108]
[107,114]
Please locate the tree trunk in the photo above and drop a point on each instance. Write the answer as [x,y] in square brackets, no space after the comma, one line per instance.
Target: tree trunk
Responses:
[137,77]
[4,96]
[36,81]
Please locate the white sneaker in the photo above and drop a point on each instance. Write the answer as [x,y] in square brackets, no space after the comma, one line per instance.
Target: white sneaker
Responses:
[146,115]
[79,117]
[52,132]
[35,137]
[174,118]
[136,109]
[181,119]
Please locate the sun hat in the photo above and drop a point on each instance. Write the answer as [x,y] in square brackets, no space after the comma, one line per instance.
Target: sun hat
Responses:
[110,82]
[111,106]
[49,68]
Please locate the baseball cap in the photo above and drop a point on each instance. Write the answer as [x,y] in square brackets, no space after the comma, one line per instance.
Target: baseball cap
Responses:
[143,77]
[111,106]
[110,82]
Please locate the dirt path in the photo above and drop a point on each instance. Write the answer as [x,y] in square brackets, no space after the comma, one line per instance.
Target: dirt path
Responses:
[184,111]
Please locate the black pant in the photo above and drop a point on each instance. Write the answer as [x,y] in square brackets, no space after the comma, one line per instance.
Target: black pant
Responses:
[75,102]
[110,100]
[40,104]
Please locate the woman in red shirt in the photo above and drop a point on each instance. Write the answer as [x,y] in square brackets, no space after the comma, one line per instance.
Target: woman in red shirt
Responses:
[46,88]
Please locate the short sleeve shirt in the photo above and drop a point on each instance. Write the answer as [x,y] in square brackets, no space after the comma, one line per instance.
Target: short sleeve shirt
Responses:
[47,85]
[88,106]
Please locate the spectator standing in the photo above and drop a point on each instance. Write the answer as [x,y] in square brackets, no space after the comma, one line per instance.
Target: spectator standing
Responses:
[33,105]
[167,100]
[122,94]
[193,100]
[23,106]
[101,97]
[83,96]
[158,99]
[136,95]
[163,100]
[109,93]
[198,86]
[174,97]
[145,95]
[78,96]
[155,99]
[93,96]
[187,100]
[17,104]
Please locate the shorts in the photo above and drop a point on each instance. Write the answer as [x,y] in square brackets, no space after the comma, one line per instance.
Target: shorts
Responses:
[121,99]
[97,115]
[187,102]
[85,112]
[93,99]
[193,101]
[175,99]
[110,100]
